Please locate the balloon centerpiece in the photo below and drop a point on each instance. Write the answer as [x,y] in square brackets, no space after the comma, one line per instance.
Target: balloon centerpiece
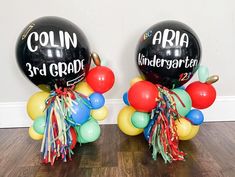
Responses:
[168,55]
[54,54]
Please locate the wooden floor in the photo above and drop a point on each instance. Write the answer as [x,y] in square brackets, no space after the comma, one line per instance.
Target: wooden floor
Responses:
[211,153]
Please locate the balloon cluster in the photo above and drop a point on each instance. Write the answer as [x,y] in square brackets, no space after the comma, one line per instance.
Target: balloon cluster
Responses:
[88,108]
[154,104]
[54,54]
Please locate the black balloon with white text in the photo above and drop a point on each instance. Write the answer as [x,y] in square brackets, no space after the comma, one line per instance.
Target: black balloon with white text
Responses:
[168,53]
[53,51]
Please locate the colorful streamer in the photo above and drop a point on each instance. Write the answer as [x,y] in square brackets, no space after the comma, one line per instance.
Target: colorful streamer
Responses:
[163,135]
[57,137]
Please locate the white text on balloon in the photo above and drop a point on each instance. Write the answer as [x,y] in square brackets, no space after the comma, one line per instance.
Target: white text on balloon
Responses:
[45,38]
[56,69]
[169,36]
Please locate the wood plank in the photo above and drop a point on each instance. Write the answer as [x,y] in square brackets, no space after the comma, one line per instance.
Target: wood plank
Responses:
[211,153]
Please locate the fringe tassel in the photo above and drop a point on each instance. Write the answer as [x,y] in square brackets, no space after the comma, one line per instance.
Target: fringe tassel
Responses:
[163,135]
[57,136]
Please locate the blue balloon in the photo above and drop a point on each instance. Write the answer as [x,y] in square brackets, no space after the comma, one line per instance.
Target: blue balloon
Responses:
[147,130]
[125,99]
[195,116]
[97,100]
[81,111]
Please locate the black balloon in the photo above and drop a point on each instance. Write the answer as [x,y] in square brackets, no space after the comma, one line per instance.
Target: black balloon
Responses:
[168,53]
[53,51]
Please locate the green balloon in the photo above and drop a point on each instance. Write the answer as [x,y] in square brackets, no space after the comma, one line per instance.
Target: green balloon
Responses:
[39,125]
[203,73]
[185,98]
[140,119]
[79,138]
[90,131]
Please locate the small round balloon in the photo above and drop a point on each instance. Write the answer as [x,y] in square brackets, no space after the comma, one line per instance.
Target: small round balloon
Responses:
[182,100]
[142,96]
[97,100]
[81,111]
[125,98]
[140,119]
[124,121]
[90,131]
[100,79]
[168,53]
[34,135]
[100,114]
[195,116]
[84,89]
[192,134]
[203,95]
[39,125]
[36,104]
[53,51]
[183,127]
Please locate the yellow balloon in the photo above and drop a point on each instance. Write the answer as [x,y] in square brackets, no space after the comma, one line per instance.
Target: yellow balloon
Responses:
[45,88]
[34,135]
[100,114]
[192,134]
[136,79]
[124,121]
[183,127]
[36,104]
[84,88]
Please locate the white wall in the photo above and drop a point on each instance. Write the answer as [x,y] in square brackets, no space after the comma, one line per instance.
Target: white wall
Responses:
[113,29]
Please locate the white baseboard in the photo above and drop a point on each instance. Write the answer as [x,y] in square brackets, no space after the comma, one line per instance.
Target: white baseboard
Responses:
[13,114]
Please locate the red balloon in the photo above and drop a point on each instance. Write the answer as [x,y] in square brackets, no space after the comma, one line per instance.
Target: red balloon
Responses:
[203,95]
[100,79]
[142,96]
[74,137]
